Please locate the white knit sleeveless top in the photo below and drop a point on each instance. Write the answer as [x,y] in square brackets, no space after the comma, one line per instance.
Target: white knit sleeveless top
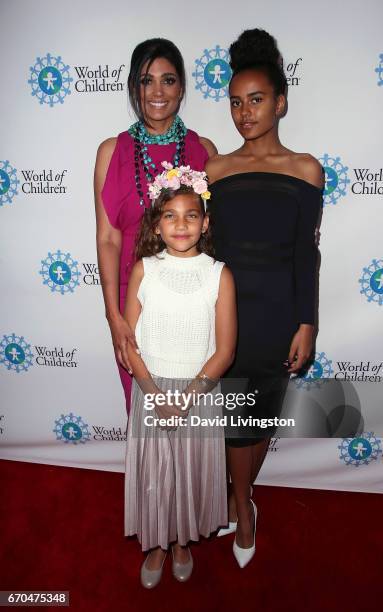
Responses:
[176,327]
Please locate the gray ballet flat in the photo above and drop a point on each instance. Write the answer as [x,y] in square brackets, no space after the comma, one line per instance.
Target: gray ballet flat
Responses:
[182,571]
[150,578]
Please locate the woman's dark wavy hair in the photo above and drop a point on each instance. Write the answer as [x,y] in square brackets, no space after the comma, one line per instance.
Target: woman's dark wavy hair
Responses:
[148,51]
[258,50]
[148,243]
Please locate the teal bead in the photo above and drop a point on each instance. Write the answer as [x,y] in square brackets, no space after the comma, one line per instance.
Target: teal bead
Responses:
[176,133]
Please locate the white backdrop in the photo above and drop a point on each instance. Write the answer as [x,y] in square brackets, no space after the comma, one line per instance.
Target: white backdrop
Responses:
[57,369]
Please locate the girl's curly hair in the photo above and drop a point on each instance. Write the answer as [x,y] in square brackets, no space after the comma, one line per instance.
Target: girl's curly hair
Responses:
[149,243]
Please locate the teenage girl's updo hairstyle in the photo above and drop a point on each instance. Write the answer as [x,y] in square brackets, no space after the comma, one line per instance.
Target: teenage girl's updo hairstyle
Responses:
[149,243]
[148,51]
[257,50]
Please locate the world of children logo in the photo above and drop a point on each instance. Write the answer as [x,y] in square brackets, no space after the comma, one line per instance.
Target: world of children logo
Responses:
[379,70]
[212,73]
[17,355]
[51,80]
[8,182]
[71,429]
[35,182]
[315,375]
[336,179]
[371,282]
[60,272]
[366,181]
[361,450]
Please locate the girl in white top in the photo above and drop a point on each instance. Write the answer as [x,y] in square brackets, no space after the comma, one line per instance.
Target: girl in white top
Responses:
[181,304]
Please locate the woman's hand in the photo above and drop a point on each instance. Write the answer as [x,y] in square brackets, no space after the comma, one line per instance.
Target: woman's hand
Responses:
[301,347]
[121,336]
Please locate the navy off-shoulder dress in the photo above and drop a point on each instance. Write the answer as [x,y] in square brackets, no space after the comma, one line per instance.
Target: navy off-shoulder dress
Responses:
[264,229]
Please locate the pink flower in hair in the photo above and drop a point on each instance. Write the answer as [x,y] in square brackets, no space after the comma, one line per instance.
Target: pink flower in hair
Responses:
[173,178]
[173,183]
[167,165]
[185,180]
[200,186]
[162,181]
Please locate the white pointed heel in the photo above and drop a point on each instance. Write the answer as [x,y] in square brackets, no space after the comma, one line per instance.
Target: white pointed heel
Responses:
[226,530]
[232,524]
[244,555]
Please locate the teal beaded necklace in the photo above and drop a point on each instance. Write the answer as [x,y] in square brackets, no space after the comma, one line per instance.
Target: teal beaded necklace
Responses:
[142,138]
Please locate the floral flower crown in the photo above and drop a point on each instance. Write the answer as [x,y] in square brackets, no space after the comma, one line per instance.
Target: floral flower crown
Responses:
[173,178]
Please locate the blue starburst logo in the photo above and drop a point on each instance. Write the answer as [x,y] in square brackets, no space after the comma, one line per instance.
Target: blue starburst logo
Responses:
[360,451]
[50,80]
[15,353]
[60,272]
[319,370]
[213,73]
[71,429]
[379,70]
[336,179]
[8,182]
[371,282]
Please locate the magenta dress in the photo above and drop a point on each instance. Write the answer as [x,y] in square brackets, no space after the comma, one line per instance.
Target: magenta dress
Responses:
[121,203]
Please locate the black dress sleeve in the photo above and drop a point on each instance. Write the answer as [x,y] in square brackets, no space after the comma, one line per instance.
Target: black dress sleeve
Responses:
[306,253]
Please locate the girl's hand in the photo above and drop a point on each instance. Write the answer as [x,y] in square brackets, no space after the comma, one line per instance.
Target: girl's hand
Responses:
[121,336]
[167,410]
[301,347]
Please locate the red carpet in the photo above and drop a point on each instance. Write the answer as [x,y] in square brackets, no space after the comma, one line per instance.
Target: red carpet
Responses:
[62,529]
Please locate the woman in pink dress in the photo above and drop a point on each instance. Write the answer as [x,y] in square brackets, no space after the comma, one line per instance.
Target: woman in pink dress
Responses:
[124,167]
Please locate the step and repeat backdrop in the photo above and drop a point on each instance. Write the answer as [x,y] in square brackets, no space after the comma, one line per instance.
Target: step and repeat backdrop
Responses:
[64,74]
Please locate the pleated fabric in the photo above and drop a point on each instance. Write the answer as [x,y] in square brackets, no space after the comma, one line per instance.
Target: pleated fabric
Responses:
[175,479]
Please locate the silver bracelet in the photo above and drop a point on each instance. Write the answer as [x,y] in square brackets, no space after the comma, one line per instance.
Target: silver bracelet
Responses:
[206,380]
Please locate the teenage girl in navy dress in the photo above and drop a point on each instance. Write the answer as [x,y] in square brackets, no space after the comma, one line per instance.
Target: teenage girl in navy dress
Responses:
[265,204]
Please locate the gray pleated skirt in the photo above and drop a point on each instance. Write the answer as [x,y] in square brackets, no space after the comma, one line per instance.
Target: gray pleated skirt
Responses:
[175,479]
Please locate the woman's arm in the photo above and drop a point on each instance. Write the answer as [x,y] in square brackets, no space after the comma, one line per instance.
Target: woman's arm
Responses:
[209,146]
[131,314]
[305,264]
[109,241]
[108,238]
